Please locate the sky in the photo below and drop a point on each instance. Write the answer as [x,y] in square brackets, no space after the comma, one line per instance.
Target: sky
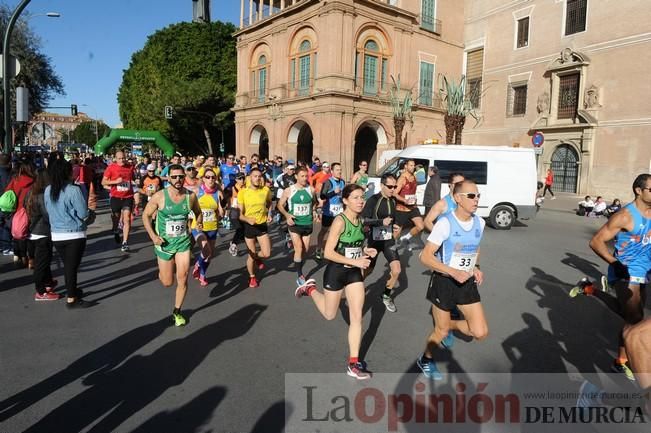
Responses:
[91,44]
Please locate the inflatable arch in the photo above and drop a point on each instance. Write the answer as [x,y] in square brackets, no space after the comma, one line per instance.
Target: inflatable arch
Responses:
[131,135]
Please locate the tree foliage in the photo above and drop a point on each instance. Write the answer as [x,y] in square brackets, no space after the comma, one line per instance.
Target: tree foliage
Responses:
[36,71]
[191,67]
[85,132]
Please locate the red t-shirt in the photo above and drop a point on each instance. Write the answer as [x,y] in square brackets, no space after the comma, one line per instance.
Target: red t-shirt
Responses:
[124,189]
[549,179]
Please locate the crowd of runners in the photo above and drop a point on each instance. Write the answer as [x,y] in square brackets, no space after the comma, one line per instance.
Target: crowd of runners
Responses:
[185,201]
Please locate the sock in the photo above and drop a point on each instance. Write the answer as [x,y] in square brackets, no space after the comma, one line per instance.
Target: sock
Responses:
[310,290]
[621,361]
[203,264]
[299,268]
[353,360]
[176,311]
[387,292]
[406,237]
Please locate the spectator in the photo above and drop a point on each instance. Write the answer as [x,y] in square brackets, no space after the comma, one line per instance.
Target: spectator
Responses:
[432,189]
[585,206]
[67,212]
[549,181]
[614,207]
[599,207]
[21,183]
[5,228]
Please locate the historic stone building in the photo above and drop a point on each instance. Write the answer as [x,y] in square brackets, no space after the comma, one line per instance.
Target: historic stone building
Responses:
[48,129]
[575,70]
[314,76]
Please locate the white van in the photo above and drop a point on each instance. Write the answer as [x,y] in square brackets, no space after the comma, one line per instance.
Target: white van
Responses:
[505,176]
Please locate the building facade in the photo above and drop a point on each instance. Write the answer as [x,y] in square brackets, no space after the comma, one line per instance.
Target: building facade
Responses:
[574,70]
[48,129]
[314,77]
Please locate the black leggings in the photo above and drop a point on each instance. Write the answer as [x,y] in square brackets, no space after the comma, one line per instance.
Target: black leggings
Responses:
[71,252]
[42,259]
[548,188]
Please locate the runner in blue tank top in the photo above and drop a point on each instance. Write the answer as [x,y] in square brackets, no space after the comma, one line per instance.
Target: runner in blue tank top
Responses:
[332,205]
[444,205]
[452,254]
[630,262]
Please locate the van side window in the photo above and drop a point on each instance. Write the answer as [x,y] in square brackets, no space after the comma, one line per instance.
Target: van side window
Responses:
[395,168]
[475,170]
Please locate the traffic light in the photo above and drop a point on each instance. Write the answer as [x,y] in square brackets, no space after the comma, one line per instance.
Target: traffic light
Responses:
[73,109]
[169,111]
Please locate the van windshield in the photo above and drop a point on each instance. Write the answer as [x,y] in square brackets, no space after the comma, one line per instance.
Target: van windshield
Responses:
[395,166]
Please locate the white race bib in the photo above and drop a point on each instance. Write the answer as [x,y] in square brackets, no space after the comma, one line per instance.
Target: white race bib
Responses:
[124,186]
[353,252]
[336,209]
[301,210]
[209,215]
[382,233]
[174,229]
[410,198]
[463,261]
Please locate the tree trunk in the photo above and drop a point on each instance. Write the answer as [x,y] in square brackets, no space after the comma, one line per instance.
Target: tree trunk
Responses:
[461,121]
[449,128]
[206,133]
[398,124]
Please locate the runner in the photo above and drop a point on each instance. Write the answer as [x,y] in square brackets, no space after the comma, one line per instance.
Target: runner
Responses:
[151,183]
[347,259]
[361,176]
[175,160]
[407,212]
[455,275]
[234,214]
[283,182]
[192,182]
[380,213]
[254,202]
[629,263]
[301,201]
[444,205]
[332,203]
[209,198]
[119,178]
[171,237]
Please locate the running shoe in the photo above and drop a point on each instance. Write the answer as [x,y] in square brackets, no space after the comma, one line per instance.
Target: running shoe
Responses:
[203,281]
[78,303]
[51,285]
[253,283]
[605,287]
[233,250]
[583,287]
[388,302]
[429,369]
[623,369]
[178,319]
[358,371]
[47,296]
[300,280]
[195,271]
[8,252]
[303,289]
[448,341]
[318,254]
[124,248]
[116,237]
[589,395]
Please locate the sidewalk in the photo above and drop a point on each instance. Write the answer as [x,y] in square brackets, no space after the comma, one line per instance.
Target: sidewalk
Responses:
[565,202]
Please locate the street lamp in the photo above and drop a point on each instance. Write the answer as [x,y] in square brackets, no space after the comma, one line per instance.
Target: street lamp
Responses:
[6,100]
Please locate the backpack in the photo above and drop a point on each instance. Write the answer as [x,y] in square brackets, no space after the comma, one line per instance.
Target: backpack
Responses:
[8,201]
[20,224]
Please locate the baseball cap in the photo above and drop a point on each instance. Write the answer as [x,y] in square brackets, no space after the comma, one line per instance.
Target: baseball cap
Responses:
[178,154]
[291,167]
[190,167]
[290,162]
[151,167]
[325,164]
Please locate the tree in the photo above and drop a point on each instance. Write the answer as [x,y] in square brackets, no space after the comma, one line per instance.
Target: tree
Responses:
[401,108]
[36,70]
[85,132]
[191,67]
[458,105]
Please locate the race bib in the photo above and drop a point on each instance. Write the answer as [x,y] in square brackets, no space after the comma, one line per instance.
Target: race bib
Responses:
[209,215]
[124,187]
[382,233]
[174,229]
[410,198]
[151,187]
[301,210]
[336,209]
[463,261]
[353,252]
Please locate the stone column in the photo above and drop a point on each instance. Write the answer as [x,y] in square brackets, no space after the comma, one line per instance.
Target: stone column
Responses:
[260,9]
[282,4]
[271,7]
[241,13]
[250,12]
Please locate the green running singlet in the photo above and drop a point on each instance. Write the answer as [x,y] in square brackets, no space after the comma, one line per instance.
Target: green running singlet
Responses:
[351,240]
[300,205]
[172,227]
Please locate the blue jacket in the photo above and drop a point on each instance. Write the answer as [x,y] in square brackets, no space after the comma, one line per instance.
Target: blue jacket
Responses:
[68,214]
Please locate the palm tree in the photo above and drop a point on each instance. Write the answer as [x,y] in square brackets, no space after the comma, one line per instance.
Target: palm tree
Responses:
[458,105]
[401,108]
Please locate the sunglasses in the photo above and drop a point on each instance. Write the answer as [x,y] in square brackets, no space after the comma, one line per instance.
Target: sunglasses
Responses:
[209,177]
[178,176]
[471,195]
[391,186]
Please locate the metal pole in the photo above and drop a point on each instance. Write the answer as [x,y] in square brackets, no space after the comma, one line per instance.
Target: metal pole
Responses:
[6,100]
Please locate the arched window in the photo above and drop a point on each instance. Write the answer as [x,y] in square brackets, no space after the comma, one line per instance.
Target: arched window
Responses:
[259,78]
[373,64]
[303,67]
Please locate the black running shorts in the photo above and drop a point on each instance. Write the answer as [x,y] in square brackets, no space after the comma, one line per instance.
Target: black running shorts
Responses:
[384,247]
[337,276]
[120,204]
[326,221]
[253,231]
[446,293]
[300,230]
[403,219]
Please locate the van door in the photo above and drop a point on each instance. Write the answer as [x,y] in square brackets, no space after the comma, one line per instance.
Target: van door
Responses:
[475,170]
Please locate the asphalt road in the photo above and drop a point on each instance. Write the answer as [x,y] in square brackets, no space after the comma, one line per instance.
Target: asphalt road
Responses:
[120,366]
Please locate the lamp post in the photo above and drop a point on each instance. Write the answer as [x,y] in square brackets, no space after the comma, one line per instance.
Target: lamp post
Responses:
[6,100]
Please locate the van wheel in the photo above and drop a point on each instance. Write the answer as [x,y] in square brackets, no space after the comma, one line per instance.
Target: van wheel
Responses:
[502,218]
